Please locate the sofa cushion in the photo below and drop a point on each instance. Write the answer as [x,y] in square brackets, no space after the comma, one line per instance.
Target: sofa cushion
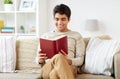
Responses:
[103,37]
[99,56]
[26,53]
[19,76]
[7,54]
[35,76]
[91,76]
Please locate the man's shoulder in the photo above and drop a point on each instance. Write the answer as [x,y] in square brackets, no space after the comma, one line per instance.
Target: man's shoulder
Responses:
[76,35]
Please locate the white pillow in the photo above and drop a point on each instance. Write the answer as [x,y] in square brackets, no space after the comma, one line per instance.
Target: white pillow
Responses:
[7,54]
[99,56]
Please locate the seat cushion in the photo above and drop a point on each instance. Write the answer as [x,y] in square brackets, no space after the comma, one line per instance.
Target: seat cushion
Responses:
[19,75]
[90,76]
[36,75]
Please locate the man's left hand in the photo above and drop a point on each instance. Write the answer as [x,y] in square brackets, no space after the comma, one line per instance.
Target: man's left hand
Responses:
[68,60]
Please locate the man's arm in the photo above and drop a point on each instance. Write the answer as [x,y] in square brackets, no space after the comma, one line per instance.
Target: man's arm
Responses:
[80,52]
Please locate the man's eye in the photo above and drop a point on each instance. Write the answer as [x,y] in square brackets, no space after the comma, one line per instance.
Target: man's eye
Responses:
[56,19]
[63,19]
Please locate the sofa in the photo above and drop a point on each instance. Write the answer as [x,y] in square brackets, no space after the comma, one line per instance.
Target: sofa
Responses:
[26,67]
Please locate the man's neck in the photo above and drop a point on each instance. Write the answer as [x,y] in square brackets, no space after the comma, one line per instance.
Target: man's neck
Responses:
[63,30]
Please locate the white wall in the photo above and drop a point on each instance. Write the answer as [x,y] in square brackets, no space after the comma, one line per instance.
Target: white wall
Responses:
[106,11]
[43,18]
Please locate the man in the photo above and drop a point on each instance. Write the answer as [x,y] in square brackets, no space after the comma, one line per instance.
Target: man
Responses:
[63,66]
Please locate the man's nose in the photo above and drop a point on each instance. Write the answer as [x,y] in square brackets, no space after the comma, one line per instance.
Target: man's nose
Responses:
[59,22]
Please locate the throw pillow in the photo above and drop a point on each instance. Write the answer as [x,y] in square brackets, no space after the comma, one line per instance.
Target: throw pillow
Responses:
[99,56]
[26,53]
[7,54]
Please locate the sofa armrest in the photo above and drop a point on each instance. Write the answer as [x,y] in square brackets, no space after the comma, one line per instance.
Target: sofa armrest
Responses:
[117,65]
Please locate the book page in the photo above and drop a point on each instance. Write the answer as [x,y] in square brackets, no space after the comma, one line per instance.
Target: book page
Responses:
[54,37]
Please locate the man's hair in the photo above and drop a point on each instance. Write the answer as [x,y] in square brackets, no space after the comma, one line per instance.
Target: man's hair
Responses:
[62,9]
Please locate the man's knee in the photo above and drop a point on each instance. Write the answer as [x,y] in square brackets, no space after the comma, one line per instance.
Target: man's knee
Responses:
[59,56]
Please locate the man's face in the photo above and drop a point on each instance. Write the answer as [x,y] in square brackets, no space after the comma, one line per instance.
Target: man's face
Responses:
[61,21]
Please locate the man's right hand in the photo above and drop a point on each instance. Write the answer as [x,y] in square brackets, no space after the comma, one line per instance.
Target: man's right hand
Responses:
[41,57]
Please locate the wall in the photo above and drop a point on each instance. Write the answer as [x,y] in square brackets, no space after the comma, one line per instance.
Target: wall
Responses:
[43,18]
[106,11]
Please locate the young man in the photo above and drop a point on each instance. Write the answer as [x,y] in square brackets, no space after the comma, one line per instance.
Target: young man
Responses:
[63,66]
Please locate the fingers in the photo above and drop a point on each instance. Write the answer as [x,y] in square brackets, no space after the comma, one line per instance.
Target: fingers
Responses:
[41,56]
[42,59]
[63,52]
[39,51]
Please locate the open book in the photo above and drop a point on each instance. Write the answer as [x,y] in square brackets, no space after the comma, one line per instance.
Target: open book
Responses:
[54,45]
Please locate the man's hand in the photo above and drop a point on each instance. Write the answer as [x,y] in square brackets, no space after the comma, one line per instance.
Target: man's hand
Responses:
[68,60]
[41,57]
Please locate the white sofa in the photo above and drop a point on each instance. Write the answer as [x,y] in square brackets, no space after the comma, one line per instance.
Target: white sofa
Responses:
[26,68]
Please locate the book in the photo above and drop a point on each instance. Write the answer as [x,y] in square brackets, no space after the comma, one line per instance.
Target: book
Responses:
[54,46]
[7,30]
[1,24]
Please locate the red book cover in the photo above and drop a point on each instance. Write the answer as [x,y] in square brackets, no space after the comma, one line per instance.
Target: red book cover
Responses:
[54,45]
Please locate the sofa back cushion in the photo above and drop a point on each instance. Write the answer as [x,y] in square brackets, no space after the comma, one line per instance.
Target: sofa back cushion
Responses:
[99,55]
[26,53]
[7,53]
[104,37]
